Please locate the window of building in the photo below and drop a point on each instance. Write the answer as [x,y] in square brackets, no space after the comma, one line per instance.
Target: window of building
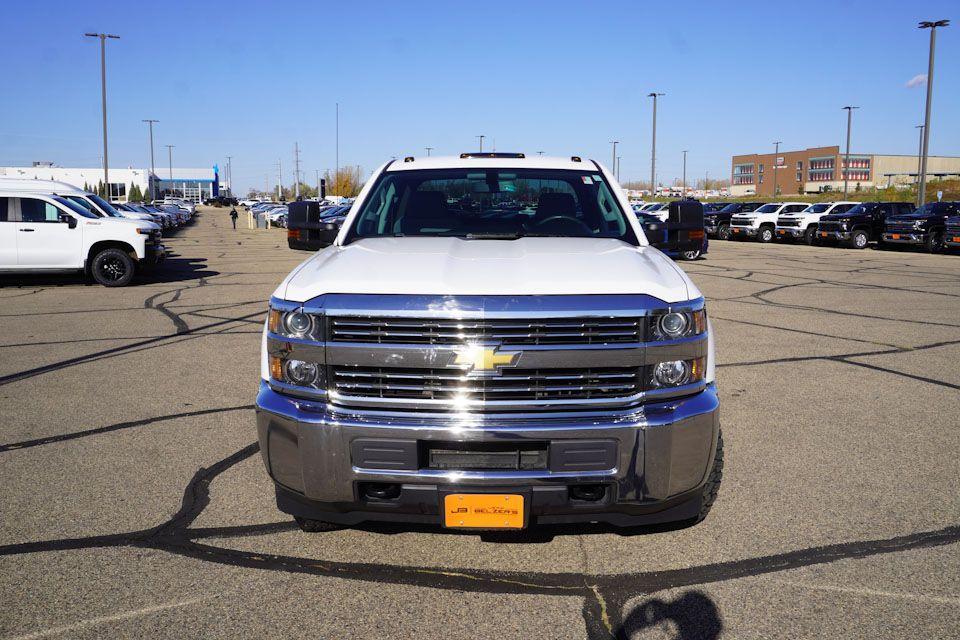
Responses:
[799,176]
[118,191]
[760,169]
[799,165]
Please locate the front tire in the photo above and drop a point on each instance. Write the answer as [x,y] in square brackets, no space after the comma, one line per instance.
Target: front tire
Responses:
[712,486]
[690,255]
[810,235]
[723,233]
[859,240]
[934,242]
[314,526]
[765,234]
[112,268]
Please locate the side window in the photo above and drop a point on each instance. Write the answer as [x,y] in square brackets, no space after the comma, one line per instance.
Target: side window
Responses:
[32,210]
[794,208]
[905,208]
[4,208]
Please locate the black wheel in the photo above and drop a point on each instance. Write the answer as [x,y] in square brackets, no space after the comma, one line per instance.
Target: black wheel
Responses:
[859,240]
[315,526]
[712,486]
[810,235]
[765,234]
[723,233]
[112,268]
[934,242]
[690,255]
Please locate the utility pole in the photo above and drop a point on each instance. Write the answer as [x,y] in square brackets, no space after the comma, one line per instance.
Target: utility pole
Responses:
[481,142]
[336,176]
[170,159]
[230,174]
[653,146]
[150,189]
[279,180]
[618,168]
[919,159]
[296,170]
[613,165]
[926,118]
[540,153]
[684,172]
[846,159]
[776,152]
[317,172]
[103,96]
[429,149]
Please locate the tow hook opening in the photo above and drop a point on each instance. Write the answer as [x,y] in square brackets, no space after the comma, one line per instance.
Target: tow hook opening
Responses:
[587,492]
[380,490]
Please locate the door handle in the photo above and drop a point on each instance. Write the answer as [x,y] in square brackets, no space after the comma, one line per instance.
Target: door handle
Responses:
[28,230]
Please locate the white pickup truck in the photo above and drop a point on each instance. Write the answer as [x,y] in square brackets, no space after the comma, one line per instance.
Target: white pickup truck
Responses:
[761,223]
[49,233]
[490,342]
[802,225]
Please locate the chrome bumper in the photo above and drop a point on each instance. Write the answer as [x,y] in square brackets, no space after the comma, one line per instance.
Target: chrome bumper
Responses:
[662,449]
[792,232]
[749,232]
[905,238]
[833,235]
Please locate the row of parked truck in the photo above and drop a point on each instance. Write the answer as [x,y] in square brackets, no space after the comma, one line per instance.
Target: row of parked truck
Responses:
[934,227]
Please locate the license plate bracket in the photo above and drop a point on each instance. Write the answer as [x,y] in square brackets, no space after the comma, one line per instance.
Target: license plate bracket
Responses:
[484,511]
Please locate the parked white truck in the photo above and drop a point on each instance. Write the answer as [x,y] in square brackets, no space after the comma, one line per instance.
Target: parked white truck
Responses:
[802,225]
[761,223]
[49,233]
[490,342]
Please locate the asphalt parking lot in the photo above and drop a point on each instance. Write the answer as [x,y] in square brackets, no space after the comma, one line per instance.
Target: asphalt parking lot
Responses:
[135,504]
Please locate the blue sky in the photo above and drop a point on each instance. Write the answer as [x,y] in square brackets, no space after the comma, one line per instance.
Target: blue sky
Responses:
[248,79]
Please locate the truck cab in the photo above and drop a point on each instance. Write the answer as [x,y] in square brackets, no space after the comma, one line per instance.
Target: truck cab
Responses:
[51,233]
[860,225]
[761,223]
[925,227]
[802,225]
[491,342]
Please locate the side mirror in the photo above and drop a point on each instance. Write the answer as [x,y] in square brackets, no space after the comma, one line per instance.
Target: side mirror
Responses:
[684,227]
[70,220]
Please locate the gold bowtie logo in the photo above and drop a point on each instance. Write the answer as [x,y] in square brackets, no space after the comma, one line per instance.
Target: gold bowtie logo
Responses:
[485,359]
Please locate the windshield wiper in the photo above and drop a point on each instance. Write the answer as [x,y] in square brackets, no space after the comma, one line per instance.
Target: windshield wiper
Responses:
[493,235]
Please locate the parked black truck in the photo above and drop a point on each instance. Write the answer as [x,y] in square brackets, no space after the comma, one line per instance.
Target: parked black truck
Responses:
[717,223]
[924,227]
[861,225]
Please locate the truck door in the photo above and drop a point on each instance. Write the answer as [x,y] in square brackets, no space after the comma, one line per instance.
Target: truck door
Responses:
[8,236]
[44,241]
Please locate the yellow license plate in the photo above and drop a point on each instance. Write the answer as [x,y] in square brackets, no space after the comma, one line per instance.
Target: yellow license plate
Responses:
[824,234]
[483,511]
[895,236]
[956,238]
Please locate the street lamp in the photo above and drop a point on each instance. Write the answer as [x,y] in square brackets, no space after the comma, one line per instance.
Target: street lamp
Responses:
[618,167]
[230,174]
[846,159]
[776,152]
[613,167]
[103,96]
[919,155]
[926,119]
[429,149]
[653,146]
[170,158]
[150,189]
[684,172]
[481,142]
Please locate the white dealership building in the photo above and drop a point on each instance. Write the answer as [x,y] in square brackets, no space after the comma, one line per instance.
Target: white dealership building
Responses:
[190,183]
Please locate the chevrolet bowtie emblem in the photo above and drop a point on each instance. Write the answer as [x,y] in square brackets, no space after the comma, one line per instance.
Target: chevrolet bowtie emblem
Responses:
[484,359]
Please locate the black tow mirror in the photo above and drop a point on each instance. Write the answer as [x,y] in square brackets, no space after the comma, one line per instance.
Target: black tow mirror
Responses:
[70,220]
[684,227]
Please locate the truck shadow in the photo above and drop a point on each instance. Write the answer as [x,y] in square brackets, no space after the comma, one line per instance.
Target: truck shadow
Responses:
[538,534]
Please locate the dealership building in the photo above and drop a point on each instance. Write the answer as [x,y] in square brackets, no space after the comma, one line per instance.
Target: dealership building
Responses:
[823,169]
[191,184]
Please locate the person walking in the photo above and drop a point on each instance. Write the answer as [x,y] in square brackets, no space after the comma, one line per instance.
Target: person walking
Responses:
[233,217]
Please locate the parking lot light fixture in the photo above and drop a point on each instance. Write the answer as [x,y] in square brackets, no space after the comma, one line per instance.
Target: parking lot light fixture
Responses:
[653,144]
[428,150]
[926,118]
[170,159]
[481,137]
[919,158]
[152,170]
[846,158]
[103,98]
[613,166]
[685,172]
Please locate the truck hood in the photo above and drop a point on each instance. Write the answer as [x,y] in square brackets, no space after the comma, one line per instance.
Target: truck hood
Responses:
[453,266]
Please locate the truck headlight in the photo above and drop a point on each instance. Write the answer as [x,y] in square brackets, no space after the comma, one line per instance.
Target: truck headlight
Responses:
[295,323]
[678,324]
[299,373]
[919,224]
[676,373]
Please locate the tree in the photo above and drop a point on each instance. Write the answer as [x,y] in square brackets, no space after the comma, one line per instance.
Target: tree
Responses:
[347,182]
[99,190]
[133,193]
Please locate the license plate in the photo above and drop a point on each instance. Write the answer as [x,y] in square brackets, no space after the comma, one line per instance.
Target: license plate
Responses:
[824,234]
[956,238]
[782,233]
[894,236]
[483,511]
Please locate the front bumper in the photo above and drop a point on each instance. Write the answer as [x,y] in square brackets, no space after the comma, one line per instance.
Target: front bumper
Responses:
[154,255]
[790,233]
[743,232]
[951,238]
[659,457]
[835,236]
[912,237]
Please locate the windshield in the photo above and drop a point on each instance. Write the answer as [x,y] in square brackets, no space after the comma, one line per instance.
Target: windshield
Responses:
[816,208]
[768,208]
[74,207]
[105,206]
[492,204]
[863,207]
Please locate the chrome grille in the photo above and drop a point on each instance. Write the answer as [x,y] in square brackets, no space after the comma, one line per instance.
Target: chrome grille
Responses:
[567,331]
[901,227]
[828,225]
[788,222]
[512,384]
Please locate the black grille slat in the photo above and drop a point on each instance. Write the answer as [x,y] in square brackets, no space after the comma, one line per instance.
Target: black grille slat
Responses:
[506,332]
[518,384]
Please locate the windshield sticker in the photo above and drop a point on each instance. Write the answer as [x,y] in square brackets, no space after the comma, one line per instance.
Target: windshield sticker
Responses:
[587,180]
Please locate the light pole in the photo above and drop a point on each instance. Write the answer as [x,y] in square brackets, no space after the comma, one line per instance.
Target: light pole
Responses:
[103,96]
[317,172]
[429,149]
[919,156]
[170,159]
[230,174]
[613,165]
[653,146]
[539,153]
[336,176]
[684,172]
[926,118]
[150,180]
[481,142]
[618,168]
[776,152]
[846,159]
